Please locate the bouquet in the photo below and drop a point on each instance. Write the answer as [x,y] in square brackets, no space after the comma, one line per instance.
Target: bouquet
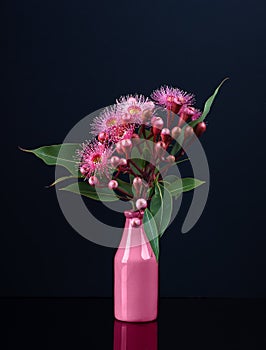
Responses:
[134,144]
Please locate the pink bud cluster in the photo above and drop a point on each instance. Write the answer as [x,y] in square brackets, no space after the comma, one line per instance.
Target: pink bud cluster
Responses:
[165,136]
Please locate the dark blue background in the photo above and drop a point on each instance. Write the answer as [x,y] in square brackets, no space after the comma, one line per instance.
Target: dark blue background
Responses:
[69,58]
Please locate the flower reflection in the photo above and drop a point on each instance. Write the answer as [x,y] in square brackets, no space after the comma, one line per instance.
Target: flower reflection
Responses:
[135,336]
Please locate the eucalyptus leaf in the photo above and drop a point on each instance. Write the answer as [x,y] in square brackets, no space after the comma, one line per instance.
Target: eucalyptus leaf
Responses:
[135,153]
[178,143]
[207,106]
[127,187]
[49,154]
[64,178]
[161,207]
[150,192]
[151,232]
[176,185]
[84,189]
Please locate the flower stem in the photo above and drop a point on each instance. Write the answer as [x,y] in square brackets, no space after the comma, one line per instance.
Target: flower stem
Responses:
[124,192]
[130,161]
[143,130]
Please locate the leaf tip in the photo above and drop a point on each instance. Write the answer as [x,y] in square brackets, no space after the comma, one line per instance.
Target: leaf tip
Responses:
[227,78]
[24,149]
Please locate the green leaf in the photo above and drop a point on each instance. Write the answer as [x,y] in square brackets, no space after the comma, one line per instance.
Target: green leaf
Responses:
[173,164]
[86,190]
[161,207]
[49,154]
[140,164]
[178,145]
[64,178]
[176,186]
[207,106]
[151,232]
[150,192]
[125,186]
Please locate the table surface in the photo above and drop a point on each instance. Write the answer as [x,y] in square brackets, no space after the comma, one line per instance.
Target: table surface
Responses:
[88,323]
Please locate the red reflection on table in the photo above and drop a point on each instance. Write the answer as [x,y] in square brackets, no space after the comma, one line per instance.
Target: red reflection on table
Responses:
[135,336]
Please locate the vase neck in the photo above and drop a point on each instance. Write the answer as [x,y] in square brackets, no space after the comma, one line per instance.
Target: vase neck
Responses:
[133,234]
[129,214]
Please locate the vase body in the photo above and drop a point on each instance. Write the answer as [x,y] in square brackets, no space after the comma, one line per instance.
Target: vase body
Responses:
[135,274]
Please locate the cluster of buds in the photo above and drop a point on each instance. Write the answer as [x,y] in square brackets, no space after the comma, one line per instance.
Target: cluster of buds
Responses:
[165,136]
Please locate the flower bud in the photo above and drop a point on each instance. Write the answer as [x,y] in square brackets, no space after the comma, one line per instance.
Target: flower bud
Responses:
[83,170]
[200,128]
[137,184]
[119,148]
[146,115]
[170,159]
[185,113]
[123,162]
[102,136]
[126,145]
[159,148]
[115,161]
[175,132]
[136,222]
[175,107]
[188,132]
[157,125]
[93,180]
[112,185]
[166,135]
[141,203]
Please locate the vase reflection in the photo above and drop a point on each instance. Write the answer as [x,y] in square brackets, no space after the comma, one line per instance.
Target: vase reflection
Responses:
[135,336]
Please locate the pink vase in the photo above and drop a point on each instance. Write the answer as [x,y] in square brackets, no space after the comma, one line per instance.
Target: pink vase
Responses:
[135,274]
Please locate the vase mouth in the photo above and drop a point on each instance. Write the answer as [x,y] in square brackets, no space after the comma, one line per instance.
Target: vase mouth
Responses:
[129,214]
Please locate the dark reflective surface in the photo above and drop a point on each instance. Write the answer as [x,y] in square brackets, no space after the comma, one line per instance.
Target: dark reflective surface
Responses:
[89,324]
[135,336]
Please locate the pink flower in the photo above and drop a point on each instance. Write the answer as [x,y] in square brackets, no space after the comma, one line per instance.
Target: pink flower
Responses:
[196,115]
[168,96]
[107,119]
[132,108]
[110,123]
[121,132]
[94,159]
[185,98]
[190,112]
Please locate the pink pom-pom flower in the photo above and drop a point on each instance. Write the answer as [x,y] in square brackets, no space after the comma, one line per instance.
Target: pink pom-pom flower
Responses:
[110,123]
[94,158]
[168,97]
[106,120]
[133,107]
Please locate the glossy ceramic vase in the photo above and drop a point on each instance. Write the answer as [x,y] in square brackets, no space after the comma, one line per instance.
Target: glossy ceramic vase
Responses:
[135,274]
